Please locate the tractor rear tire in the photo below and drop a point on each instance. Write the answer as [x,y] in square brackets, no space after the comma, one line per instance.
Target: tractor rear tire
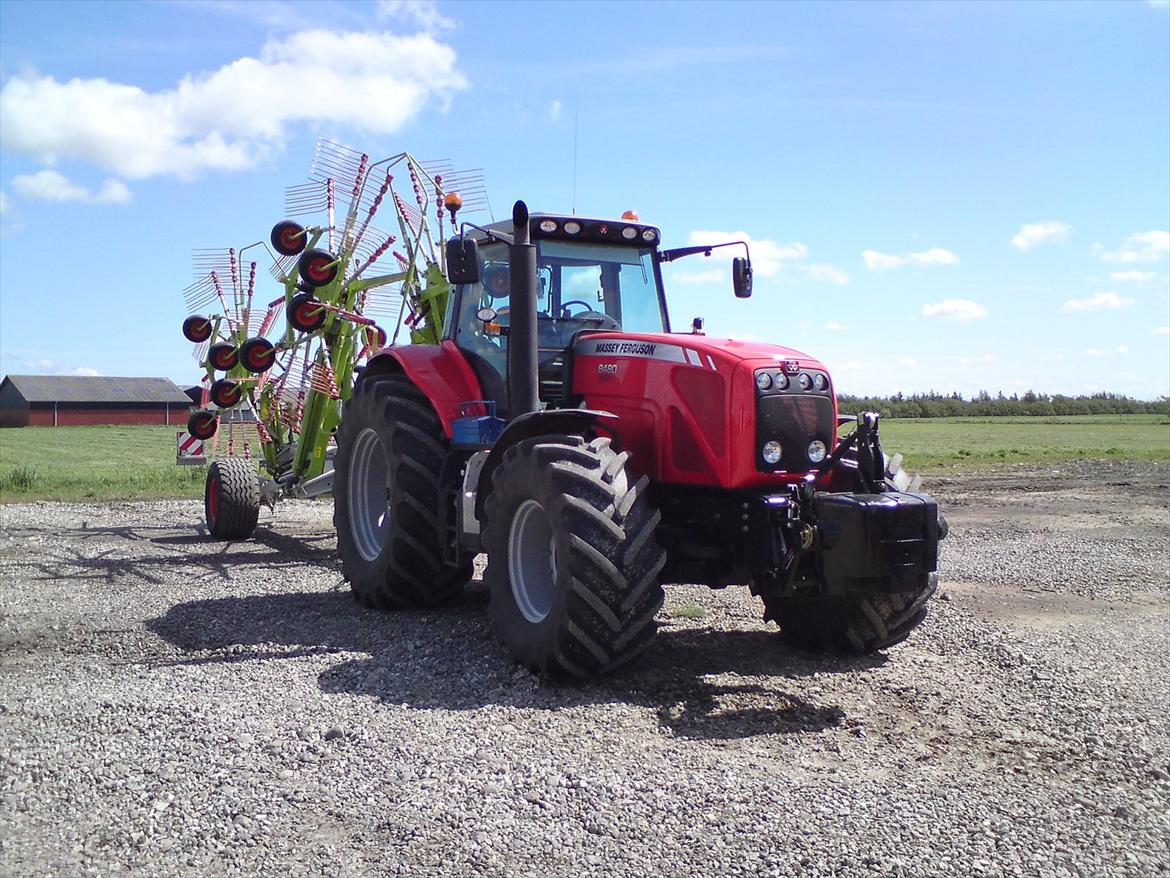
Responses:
[386,496]
[231,499]
[573,563]
[853,623]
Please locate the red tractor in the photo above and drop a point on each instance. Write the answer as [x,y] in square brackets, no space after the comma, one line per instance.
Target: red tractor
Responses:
[561,427]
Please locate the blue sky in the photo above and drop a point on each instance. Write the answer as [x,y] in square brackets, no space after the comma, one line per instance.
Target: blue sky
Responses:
[940,195]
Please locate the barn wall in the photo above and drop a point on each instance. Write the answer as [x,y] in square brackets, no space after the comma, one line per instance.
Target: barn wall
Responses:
[68,417]
[14,417]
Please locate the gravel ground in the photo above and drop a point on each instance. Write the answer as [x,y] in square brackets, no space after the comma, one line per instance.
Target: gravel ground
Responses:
[170,706]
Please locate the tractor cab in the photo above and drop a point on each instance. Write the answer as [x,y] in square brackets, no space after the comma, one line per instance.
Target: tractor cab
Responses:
[591,275]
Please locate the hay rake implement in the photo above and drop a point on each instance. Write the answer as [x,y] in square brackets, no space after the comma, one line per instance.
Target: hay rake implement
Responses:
[277,372]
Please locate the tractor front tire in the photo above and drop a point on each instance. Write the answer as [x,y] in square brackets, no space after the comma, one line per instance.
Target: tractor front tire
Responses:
[573,562]
[386,496]
[853,623]
[231,499]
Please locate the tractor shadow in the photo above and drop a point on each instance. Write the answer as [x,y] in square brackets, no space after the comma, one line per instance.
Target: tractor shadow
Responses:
[150,554]
[702,683]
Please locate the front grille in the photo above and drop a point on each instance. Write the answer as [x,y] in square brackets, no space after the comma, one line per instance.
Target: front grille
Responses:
[794,420]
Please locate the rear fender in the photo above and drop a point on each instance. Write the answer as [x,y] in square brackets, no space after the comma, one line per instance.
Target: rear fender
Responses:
[552,422]
[440,371]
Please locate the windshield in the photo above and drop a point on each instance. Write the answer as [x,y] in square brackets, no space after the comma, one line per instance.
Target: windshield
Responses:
[579,286]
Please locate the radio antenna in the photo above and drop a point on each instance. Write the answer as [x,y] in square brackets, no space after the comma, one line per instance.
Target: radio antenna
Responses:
[576,119]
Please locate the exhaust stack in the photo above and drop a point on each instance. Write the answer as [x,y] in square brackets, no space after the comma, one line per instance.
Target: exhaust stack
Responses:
[523,396]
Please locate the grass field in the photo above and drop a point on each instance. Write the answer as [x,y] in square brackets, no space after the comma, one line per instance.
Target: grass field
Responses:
[933,443]
[93,463]
[113,463]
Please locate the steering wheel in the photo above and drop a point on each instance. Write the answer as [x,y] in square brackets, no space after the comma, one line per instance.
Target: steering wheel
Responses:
[565,315]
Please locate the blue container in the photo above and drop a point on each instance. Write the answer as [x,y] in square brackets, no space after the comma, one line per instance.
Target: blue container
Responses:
[476,429]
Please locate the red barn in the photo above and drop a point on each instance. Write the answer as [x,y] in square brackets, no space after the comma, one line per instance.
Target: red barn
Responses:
[67,400]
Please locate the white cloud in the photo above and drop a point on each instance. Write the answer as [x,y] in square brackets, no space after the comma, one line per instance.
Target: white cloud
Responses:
[49,185]
[1122,349]
[956,310]
[421,13]
[1097,302]
[767,255]
[715,275]
[554,110]
[51,367]
[1158,4]
[1139,247]
[231,118]
[878,261]
[768,258]
[1094,352]
[1132,276]
[834,326]
[1034,234]
[3,202]
[1162,330]
[827,274]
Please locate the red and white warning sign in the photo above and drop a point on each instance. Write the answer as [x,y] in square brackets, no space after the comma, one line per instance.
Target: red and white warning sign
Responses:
[189,449]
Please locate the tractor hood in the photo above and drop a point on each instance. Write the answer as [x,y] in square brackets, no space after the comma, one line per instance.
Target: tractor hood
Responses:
[696,410]
[721,354]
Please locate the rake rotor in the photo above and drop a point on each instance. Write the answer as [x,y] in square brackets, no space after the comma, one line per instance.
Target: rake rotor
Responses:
[280,368]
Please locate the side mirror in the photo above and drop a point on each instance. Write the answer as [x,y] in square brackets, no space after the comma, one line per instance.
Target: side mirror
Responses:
[741,277]
[462,261]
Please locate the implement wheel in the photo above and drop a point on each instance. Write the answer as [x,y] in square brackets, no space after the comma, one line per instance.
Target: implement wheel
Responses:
[318,268]
[572,560]
[305,313]
[223,356]
[288,238]
[386,496]
[226,393]
[231,499]
[257,355]
[197,328]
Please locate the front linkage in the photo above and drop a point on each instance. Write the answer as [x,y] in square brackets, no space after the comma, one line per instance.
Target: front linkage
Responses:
[850,569]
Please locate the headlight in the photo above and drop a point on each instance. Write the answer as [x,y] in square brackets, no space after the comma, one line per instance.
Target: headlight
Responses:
[548,226]
[763,380]
[805,381]
[772,451]
[817,451]
[781,381]
[629,233]
[572,227]
[822,383]
[649,234]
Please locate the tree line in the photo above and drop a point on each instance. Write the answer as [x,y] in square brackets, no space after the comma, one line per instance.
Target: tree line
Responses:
[983,404]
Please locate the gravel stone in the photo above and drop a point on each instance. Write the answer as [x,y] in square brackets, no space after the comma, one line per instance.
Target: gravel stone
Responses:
[172,706]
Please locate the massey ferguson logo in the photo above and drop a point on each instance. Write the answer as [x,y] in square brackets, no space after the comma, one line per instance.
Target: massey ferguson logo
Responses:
[791,366]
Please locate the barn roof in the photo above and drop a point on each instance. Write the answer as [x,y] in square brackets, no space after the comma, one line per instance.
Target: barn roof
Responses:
[86,388]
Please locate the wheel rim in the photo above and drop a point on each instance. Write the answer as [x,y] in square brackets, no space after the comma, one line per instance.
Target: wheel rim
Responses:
[318,270]
[308,315]
[532,561]
[258,357]
[369,494]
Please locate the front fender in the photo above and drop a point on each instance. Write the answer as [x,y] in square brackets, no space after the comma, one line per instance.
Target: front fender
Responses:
[546,423]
